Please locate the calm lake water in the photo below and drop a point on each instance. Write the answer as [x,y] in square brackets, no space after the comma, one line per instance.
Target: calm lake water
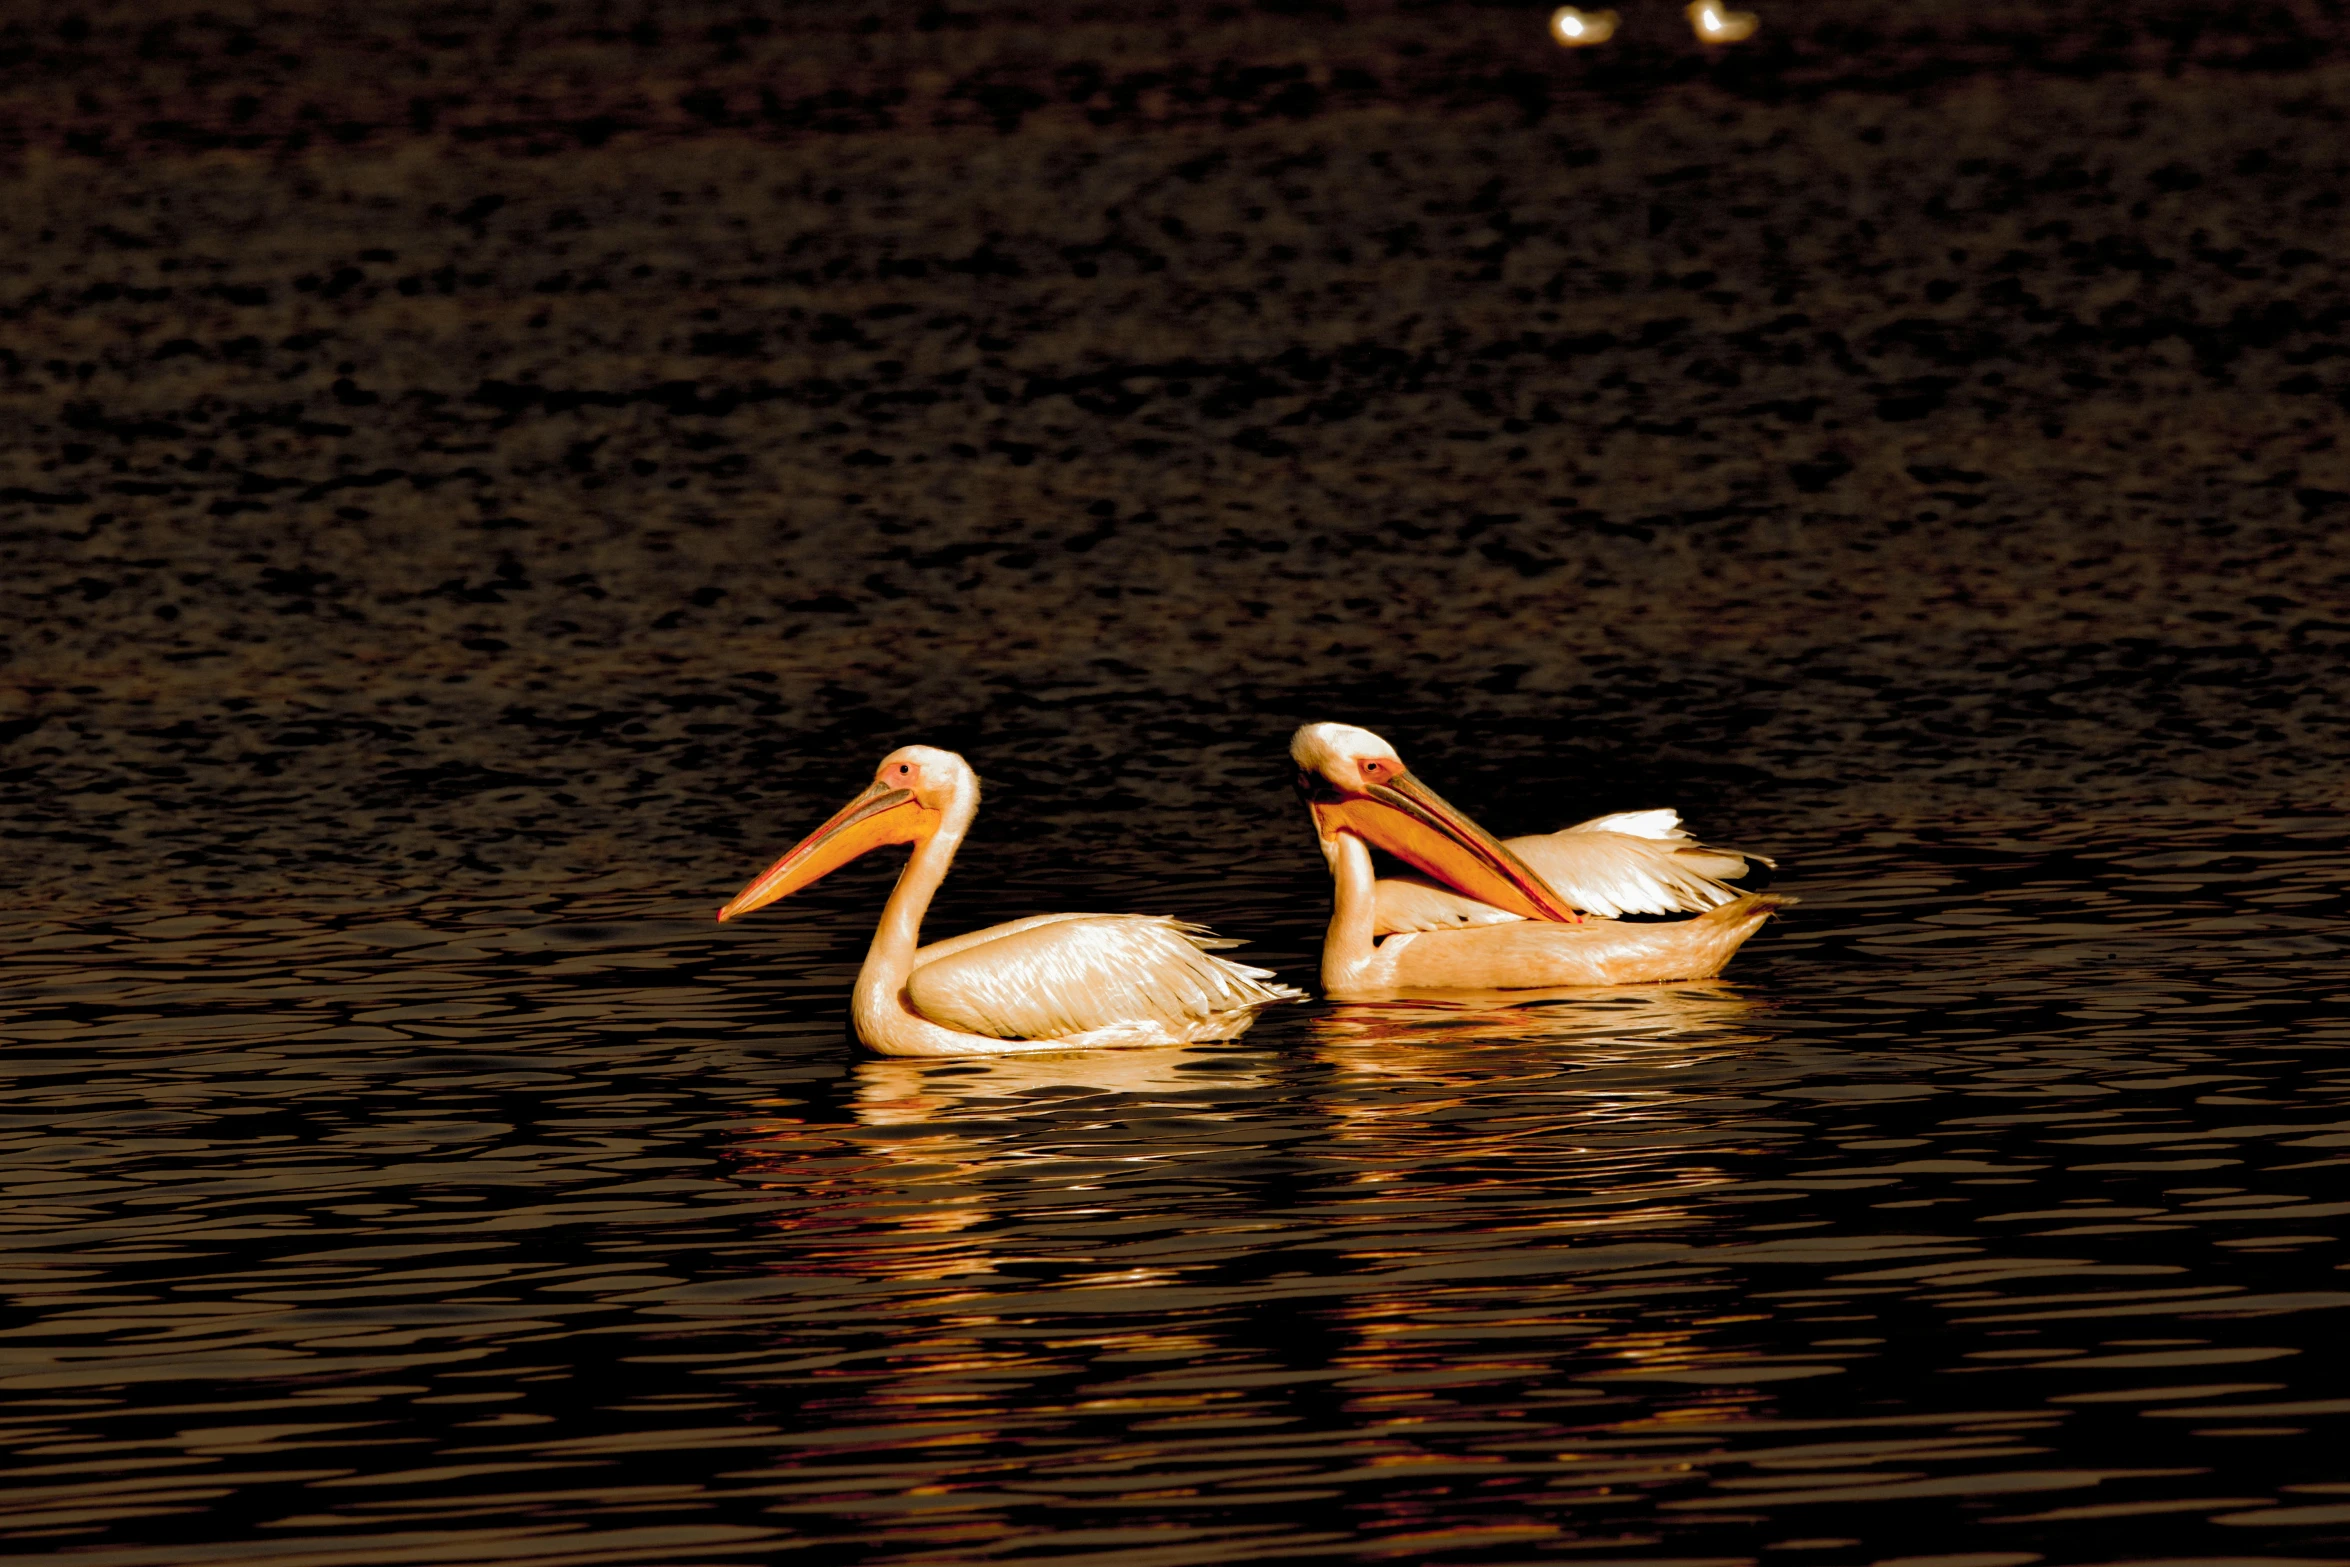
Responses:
[476,484]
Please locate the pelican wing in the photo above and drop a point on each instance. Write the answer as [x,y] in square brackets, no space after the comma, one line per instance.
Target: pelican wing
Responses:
[1635,862]
[1073,974]
[1632,862]
[949,945]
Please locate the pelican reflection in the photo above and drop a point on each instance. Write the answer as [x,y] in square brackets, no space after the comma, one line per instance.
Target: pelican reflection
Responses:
[966,1141]
[1653,1027]
[1576,1131]
[988,1088]
[1602,1090]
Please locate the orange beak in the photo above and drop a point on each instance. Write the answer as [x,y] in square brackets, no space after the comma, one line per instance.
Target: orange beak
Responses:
[879,816]
[1410,821]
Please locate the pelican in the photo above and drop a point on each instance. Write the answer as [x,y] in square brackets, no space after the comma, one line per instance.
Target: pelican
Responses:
[1047,982]
[1503,916]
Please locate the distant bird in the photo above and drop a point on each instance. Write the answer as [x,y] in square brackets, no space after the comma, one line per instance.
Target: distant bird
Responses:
[1581,29]
[1047,982]
[1714,25]
[1503,916]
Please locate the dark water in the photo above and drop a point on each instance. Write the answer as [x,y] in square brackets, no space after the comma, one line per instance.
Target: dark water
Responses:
[1993,1208]
[475,485]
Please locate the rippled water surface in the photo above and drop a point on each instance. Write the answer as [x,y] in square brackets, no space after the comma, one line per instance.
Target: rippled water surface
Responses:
[477,482]
[1992,1206]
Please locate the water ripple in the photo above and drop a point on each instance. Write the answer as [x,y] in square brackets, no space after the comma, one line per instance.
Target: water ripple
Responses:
[580,1233]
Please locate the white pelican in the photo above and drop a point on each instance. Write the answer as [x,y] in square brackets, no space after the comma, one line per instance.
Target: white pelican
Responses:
[1047,982]
[1505,925]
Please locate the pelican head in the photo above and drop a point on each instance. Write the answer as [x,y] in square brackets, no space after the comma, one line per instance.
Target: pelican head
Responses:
[907,802]
[1354,782]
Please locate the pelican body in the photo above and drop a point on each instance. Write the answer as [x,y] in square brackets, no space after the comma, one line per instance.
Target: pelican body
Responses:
[1490,915]
[1047,982]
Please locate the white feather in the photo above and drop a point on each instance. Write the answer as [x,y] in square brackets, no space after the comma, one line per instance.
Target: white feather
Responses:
[1631,862]
[1665,823]
[1089,979]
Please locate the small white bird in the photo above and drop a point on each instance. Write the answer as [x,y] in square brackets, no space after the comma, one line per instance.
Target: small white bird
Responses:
[1576,29]
[1714,25]
[1047,982]
[1490,915]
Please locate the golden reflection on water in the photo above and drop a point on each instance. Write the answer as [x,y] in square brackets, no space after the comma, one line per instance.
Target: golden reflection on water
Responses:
[1438,1035]
[917,1093]
[914,1203]
[1463,1100]
[1568,1258]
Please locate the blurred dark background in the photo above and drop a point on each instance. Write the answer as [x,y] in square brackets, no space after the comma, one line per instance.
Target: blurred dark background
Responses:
[566,445]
